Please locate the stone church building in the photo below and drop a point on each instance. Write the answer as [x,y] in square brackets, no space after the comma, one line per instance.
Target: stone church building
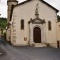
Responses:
[32,22]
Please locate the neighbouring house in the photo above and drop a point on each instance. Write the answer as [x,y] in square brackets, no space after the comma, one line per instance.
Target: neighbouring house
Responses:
[58,33]
[32,22]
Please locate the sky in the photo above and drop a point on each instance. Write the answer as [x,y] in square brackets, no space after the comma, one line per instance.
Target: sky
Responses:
[3,6]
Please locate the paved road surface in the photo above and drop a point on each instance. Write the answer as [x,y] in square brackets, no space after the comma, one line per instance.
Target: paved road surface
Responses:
[29,53]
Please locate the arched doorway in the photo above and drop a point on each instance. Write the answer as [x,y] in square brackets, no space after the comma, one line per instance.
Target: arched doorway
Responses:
[37,35]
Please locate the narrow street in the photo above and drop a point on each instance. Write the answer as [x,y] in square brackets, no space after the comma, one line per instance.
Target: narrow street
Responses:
[28,53]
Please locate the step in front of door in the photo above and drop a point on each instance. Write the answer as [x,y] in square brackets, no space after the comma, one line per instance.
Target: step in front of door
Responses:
[40,45]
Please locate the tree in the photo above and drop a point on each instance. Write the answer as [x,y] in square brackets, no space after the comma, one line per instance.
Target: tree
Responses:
[3,22]
[58,17]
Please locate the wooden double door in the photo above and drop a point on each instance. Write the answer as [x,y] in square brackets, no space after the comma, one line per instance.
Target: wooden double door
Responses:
[37,35]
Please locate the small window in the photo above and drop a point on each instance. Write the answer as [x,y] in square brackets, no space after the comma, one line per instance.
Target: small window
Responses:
[49,25]
[22,24]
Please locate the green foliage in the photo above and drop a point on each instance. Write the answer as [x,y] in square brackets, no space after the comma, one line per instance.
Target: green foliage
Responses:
[58,18]
[5,35]
[3,22]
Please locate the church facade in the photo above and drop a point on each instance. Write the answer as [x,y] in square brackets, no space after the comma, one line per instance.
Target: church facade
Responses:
[32,22]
